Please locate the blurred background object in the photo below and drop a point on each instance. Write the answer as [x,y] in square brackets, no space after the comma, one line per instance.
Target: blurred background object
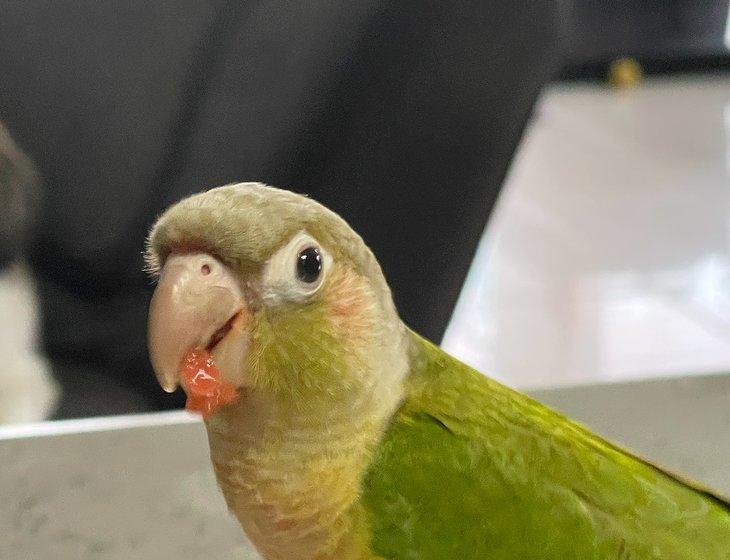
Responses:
[403,117]
[27,391]
[625,73]
[20,192]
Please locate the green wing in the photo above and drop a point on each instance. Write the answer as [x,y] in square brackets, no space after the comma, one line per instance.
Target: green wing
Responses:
[471,469]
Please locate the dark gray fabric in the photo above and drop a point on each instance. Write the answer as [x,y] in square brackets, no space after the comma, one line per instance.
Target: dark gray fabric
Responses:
[402,116]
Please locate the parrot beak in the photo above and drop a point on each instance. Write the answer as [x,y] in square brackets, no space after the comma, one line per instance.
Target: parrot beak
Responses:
[198,303]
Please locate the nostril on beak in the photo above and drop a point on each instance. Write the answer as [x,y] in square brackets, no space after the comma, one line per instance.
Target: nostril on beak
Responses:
[205,269]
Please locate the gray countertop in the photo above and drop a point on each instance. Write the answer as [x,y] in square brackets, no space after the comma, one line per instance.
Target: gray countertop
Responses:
[141,487]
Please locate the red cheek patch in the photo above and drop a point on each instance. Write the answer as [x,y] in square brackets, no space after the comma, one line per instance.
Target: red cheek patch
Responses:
[206,389]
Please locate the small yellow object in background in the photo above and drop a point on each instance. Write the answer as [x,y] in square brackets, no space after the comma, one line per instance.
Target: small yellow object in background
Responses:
[625,73]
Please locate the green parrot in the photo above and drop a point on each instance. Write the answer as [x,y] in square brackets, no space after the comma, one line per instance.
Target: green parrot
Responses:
[337,433]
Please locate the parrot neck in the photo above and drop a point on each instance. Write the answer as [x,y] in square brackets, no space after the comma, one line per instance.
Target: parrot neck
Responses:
[293,477]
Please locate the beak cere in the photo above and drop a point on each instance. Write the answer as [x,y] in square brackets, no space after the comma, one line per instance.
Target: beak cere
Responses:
[198,304]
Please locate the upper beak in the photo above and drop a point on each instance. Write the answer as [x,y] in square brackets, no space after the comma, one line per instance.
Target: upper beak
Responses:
[198,303]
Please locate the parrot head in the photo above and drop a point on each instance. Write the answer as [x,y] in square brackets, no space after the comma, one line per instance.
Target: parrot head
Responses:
[280,294]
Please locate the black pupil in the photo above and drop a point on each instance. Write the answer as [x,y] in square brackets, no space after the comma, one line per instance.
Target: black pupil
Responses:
[309,264]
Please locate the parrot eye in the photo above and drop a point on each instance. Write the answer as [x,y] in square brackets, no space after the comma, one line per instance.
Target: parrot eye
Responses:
[295,271]
[309,265]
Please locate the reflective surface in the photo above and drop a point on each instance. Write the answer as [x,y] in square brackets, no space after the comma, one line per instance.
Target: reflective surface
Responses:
[608,255]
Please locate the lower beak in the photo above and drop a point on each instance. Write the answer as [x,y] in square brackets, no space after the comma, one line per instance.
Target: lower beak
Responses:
[198,304]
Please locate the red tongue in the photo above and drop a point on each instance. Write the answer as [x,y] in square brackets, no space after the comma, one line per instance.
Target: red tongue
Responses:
[205,388]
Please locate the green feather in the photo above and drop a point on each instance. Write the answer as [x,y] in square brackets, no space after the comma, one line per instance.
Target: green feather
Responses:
[471,469]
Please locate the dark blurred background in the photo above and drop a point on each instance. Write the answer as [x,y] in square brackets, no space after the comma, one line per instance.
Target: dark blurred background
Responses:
[665,36]
[401,116]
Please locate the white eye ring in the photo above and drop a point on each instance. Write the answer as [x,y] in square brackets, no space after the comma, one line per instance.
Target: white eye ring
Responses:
[283,278]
